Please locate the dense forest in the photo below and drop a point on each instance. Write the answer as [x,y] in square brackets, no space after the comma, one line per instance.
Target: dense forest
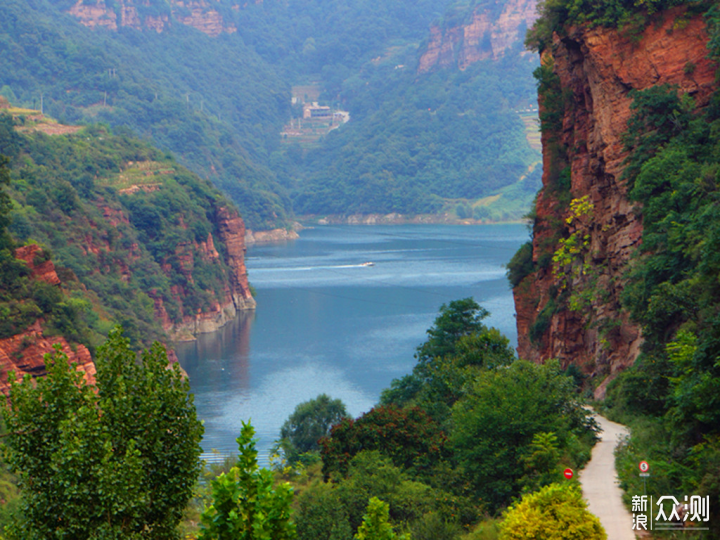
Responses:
[435,142]
[214,103]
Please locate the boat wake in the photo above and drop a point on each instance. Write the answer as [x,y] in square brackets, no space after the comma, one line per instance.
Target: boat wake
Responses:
[306,268]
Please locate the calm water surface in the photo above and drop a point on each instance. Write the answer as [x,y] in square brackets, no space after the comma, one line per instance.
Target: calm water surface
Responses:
[324,323]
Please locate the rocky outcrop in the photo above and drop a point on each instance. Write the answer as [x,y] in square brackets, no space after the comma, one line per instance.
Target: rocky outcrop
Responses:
[94,14]
[597,69]
[232,234]
[129,13]
[206,20]
[41,267]
[236,297]
[487,35]
[24,353]
[270,237]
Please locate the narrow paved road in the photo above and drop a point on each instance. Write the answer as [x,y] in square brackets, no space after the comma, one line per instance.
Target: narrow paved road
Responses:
[600,485]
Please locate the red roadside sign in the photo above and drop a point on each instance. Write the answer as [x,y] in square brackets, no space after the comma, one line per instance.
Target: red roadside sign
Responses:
[644,467]
[568,473]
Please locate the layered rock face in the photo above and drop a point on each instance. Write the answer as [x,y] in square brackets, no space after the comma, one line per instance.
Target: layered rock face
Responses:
[237,296]
[42,271]
[486,36]
[25,353]
[597,69]
[196,13]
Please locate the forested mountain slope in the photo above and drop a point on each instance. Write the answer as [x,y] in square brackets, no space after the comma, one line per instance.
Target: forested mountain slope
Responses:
[213,102]
[432,136]
[211,82]
[135,238]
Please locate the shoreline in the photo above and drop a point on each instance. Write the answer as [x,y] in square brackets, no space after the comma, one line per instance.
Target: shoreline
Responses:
[397,219]
[281,236]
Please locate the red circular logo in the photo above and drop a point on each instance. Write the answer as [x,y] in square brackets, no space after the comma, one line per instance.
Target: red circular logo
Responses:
[568,473]
[644,467]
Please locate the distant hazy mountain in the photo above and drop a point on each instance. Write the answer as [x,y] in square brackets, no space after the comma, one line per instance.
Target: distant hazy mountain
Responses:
[212,82]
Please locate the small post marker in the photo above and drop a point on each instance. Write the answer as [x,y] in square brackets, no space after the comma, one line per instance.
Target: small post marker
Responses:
[644,467]
[568,473]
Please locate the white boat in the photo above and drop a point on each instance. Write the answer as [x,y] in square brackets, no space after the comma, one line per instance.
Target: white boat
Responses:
[368,264]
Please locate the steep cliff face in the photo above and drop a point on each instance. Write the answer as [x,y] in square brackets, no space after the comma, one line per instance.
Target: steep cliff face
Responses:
[574,313]
[236,296]
[130,13]
[487,35]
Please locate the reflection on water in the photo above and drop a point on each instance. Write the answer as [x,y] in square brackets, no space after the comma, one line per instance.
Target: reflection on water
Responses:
[222,356]
[326,324]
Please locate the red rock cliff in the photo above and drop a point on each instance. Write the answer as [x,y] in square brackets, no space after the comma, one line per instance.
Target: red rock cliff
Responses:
[24,352]
[237,296]
[232,233]
[196,13]
[484,36]
[597,70]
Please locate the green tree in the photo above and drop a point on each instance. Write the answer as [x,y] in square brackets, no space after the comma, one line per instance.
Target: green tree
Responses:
[118,460]
[309,422]
[376,523]
[407,436]
[496,422]
[541,465]
[556,512]
[437,382]
[245,506]
[321,515]
[457,319]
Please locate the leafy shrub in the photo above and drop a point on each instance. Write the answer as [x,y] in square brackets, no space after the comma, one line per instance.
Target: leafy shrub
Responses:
[244,502]
[375,525]
[556,512]
[521,265]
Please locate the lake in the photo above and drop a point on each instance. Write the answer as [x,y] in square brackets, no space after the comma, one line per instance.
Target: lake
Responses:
[327,324]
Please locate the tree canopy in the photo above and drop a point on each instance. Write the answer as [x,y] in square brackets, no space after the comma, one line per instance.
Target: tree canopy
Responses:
[115,460]
[496,421]
[309,422]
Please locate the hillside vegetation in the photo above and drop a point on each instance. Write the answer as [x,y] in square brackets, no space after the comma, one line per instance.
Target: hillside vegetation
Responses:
[214,103]
[414,143]
[126,226]
[670,286]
